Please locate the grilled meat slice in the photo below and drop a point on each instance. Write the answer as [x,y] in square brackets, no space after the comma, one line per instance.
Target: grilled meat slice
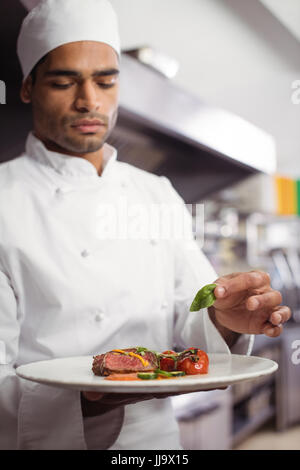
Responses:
[97,364]
[114,362]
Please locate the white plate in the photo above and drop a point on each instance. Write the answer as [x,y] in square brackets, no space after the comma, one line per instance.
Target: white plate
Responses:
[75,373]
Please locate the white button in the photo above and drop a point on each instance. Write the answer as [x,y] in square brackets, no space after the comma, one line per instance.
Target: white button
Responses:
[123,184]
[164,304]
[85,253]
[99,317]
[62,191]
[153,242]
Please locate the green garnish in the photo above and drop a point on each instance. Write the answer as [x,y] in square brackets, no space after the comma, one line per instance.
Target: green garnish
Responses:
[140,350]
[172,356]
[189,351]
[163,372]
[204,298]
[177,373]
[147,375]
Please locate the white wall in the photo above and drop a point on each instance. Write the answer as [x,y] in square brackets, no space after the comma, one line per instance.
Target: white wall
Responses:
[232,53]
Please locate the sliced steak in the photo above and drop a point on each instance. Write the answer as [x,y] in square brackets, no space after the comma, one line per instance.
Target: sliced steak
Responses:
[97,364]
[117,363]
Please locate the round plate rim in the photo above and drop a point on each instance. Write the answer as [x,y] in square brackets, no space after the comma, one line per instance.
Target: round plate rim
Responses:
[191,383]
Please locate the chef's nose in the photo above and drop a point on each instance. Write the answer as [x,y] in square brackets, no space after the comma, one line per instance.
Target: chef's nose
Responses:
[88,97]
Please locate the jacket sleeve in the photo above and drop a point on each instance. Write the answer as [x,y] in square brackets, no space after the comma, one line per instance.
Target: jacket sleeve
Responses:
[32,416]
[192,271]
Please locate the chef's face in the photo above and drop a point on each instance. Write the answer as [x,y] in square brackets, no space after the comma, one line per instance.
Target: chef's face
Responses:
[75,97]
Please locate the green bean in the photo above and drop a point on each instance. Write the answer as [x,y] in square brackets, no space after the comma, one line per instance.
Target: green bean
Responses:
[204,298]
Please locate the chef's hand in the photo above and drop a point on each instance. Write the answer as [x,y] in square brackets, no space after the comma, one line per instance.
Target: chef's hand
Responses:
[95,403]
[246,303]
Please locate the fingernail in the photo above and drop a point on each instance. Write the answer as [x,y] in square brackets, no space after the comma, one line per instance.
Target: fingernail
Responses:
[256,276]
[276,319]
[270,331]
[221,291]
[254,304]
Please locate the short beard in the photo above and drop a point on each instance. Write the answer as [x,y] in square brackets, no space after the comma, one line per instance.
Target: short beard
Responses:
[90,144]
[75,145]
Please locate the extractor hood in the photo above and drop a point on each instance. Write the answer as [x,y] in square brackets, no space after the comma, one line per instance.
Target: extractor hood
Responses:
[161,128]
[168,131]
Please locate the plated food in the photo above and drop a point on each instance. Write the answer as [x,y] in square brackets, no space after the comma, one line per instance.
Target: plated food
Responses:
[75,373]
[141,363]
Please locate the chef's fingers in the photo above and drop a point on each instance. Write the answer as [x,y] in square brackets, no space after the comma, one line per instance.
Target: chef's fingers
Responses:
[92,396]
[268,300]
[272,331]
[242,282]
[280,315]
[122,399]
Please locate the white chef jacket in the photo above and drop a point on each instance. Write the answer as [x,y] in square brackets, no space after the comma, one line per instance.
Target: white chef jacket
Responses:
[67,290]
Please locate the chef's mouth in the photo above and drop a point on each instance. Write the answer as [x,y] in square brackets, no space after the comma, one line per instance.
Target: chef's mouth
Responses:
[88,127]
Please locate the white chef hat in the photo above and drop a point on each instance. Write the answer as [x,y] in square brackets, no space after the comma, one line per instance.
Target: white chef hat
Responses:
[53,23]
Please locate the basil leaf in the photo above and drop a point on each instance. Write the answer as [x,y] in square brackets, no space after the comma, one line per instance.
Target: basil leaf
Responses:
[204,298]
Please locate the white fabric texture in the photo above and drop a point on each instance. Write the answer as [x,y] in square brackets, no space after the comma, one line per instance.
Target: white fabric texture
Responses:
[67,290]
[53,23]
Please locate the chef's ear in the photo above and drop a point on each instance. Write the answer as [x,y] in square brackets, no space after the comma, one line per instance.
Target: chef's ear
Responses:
[26,90]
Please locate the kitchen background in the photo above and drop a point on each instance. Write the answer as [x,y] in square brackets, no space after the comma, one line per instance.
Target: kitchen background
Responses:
[210,97]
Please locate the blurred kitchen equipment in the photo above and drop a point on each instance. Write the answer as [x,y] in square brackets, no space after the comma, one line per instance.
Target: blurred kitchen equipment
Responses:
[273,245]
[293,260]
[288,409]
[256,194]
[288,289]
[204,419]
[158,61]
[204,148]
[238,240]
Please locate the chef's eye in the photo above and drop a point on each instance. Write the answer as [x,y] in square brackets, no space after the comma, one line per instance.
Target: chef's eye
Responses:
[61,86]
[106,85]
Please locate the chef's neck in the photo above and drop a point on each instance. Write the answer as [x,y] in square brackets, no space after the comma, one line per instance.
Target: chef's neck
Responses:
[96,158]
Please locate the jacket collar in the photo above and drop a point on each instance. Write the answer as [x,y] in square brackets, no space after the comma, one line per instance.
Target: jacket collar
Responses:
[66,164]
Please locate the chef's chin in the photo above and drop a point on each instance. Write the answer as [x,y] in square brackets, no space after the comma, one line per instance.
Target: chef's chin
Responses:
[85,143]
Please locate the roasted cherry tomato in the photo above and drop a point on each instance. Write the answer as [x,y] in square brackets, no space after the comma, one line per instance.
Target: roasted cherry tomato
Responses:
[167,363]
[196,364]
[202,355]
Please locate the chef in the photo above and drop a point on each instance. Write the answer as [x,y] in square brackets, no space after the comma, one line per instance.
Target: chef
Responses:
[69,285]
